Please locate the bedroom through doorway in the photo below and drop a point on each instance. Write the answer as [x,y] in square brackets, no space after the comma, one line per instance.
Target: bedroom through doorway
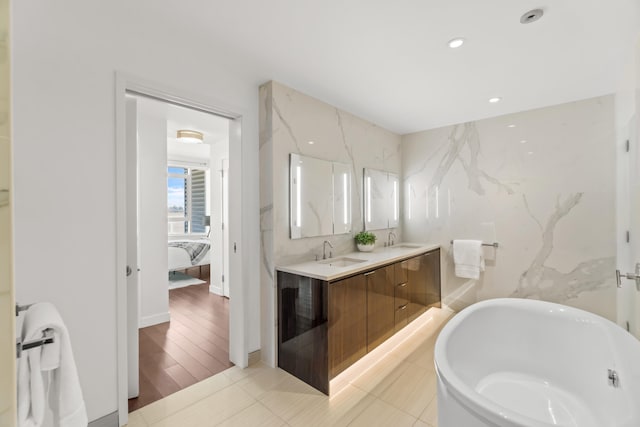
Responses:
[182,243]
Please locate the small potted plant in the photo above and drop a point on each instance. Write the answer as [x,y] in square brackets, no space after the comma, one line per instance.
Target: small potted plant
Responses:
[365,241]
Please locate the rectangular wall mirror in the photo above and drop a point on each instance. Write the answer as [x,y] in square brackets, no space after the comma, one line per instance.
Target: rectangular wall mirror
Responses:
[319,197]
[381,199]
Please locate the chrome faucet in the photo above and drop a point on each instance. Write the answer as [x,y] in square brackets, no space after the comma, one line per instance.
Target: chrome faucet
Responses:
[324,249]
[390,241]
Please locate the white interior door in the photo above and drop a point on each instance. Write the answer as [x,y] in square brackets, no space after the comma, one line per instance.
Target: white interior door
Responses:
[224,249]
[132,246]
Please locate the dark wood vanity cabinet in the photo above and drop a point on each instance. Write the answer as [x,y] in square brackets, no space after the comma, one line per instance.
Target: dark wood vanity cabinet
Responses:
[380,305]
[302,329]
[434,291]
[325,327]
[423,283]
[347,323]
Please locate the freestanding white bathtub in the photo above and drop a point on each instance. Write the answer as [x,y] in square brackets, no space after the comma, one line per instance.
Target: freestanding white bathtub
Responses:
[517,362]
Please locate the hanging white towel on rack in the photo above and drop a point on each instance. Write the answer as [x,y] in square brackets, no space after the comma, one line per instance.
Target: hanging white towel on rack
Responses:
[468,258]
[55,361]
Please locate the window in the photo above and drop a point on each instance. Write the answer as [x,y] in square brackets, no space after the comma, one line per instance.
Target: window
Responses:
[187,199]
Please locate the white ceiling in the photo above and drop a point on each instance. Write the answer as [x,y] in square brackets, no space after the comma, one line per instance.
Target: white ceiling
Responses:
[388,61]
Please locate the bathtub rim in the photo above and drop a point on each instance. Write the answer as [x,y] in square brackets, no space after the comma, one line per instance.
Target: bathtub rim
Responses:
[466,395]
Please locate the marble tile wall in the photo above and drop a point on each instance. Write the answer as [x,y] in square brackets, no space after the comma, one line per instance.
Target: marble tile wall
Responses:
[541,183]
[288,121]
[7,318]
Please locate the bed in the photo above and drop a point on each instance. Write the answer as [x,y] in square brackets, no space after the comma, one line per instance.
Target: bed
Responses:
[186,253]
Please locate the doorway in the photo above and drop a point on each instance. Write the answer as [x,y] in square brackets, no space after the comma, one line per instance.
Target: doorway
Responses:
[128,302]
[182,320]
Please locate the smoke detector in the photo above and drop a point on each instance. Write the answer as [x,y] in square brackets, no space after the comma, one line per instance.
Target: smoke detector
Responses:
[531,16]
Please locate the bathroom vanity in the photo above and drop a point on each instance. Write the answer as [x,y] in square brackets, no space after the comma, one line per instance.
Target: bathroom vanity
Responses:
[332,312]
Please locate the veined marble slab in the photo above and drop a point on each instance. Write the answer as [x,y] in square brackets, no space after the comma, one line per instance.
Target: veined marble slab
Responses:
[381,256]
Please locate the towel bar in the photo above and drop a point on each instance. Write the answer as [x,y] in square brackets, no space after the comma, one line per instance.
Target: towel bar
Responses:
[47,338]
[47,335]
[494,244]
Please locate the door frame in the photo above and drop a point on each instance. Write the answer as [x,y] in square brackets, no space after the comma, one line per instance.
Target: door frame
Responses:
[238,350]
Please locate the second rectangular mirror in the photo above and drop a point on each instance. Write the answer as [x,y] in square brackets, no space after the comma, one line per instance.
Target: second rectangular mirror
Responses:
[381,199]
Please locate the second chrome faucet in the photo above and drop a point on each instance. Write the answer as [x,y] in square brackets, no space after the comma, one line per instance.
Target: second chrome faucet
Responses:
[324,249]
[391,241]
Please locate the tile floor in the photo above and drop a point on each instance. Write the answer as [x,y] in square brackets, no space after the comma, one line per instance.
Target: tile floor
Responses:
[398,389]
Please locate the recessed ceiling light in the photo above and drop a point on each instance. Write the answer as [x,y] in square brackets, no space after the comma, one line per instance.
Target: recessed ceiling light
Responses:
[311,142]
[524,141]
[530,152]
[511,126]
[456,43]
[495,99]
[531,16]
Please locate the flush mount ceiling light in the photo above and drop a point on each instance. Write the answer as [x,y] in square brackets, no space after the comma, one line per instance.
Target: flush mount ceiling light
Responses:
[531,16]
[495,99]
[190,136]
[456,43]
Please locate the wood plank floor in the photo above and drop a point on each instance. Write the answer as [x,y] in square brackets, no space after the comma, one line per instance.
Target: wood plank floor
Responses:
[190,348]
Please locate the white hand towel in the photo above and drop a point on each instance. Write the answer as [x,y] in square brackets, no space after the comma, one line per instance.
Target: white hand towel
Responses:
[468,258]
[56,362]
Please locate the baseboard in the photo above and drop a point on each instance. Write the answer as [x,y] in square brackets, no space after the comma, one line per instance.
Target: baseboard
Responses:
[110,420]
[254,357]
[215,289]
[154,320]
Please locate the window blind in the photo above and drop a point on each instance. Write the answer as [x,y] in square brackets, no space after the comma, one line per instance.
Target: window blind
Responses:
[198,200]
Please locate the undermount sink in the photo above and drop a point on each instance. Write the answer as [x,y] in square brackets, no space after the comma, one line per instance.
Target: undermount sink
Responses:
[341,262]
[405,246]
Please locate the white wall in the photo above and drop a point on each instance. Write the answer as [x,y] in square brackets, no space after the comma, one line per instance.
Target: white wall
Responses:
[7,314]
[548,201]
[64,58]
[152,219]
[626,123]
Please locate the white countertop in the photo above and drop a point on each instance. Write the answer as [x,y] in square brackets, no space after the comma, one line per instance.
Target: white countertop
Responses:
[323,269]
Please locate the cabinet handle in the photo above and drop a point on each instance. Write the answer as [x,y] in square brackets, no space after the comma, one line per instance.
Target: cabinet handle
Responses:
[402,307]
[370,272]
[402,285]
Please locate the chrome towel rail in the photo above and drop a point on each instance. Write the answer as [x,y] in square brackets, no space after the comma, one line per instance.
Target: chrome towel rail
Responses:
[47,336]
[494,244]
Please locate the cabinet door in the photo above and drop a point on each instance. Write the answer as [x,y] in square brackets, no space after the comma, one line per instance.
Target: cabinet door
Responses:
[417,285]
[380,306]
[302,329]
[433,291]
[401,272]
[347,323]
